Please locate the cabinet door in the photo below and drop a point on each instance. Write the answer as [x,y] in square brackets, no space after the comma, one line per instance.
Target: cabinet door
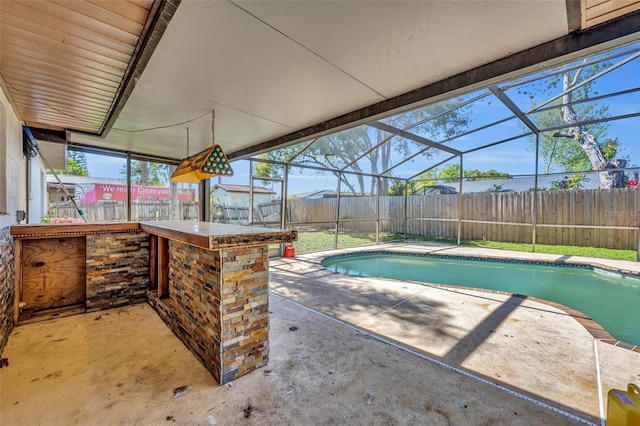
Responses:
[53,273]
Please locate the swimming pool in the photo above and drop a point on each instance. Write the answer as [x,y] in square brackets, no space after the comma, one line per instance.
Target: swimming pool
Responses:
[610,299]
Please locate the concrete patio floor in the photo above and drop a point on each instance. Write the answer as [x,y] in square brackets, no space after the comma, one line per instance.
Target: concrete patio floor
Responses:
[531,348]
[451,358]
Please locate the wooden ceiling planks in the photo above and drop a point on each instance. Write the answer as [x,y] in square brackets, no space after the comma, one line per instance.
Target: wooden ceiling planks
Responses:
[63,62]
[597,11]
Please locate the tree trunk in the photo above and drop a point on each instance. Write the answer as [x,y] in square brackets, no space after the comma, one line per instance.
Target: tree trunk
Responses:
[386,164]
[144,172]
[608,178]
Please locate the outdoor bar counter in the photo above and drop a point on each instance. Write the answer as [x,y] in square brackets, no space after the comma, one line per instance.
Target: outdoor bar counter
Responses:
[207,281]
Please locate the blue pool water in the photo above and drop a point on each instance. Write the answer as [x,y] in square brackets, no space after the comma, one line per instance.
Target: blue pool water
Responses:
[610,299]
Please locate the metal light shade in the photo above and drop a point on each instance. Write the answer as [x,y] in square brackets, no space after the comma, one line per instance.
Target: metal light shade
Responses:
[203,165]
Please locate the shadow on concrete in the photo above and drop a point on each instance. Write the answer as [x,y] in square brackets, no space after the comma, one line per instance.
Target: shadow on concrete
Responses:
[356,300]
[478,335]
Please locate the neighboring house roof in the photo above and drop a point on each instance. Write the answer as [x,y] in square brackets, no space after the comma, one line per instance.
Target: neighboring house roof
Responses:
[523,183]
[315,193]
[437,189]
[527,183]
[243,188]
[73,179]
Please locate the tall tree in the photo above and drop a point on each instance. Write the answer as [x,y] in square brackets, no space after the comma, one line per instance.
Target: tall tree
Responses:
[76,164]
[343,150]
[428,178]
[148,173]
[559,154]
[451,173]
[475,174]
[577,147]
[397,188]
[267,169]
[586,139]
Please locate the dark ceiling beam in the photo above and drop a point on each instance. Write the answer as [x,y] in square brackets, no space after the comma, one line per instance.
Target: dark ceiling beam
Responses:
[48,135]
[609,31]
[60,136]
[152,33]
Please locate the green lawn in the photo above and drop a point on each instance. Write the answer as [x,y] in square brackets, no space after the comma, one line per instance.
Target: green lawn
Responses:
[323,240]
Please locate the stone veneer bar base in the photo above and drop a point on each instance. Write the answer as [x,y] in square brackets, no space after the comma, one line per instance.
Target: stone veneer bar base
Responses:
[218,306]
[117,269]
[7,291]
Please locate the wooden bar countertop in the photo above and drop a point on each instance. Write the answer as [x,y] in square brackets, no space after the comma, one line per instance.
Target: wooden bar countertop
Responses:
[46,230]
[210,236]
[205,235]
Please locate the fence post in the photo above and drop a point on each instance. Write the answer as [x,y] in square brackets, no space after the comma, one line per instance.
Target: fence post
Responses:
[534,203]
[405,199]
[250,218]
[638,248]
[460,203]
[337,228]
[379,181]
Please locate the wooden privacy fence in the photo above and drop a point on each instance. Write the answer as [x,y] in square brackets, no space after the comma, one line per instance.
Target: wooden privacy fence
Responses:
[117,211]
[590,218]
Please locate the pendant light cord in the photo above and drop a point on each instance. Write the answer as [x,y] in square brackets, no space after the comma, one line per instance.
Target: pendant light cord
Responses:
[187,142]
[213,127]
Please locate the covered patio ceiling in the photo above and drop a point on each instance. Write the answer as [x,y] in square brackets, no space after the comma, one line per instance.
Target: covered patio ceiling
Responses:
[132,76]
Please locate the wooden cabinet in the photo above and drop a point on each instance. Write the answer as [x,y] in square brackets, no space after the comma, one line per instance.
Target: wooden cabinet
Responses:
[53,274]
[65,269]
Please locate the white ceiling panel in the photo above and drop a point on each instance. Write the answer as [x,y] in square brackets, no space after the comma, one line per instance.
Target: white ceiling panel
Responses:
[237,61]
[396,46]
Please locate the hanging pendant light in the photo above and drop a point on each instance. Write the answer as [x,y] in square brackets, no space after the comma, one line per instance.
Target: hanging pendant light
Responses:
[205,164]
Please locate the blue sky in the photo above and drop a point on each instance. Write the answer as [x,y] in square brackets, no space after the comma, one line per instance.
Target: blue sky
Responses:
[105,166]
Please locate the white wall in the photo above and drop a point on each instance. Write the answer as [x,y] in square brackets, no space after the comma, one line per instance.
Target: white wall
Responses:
[13,167]
[37,191]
